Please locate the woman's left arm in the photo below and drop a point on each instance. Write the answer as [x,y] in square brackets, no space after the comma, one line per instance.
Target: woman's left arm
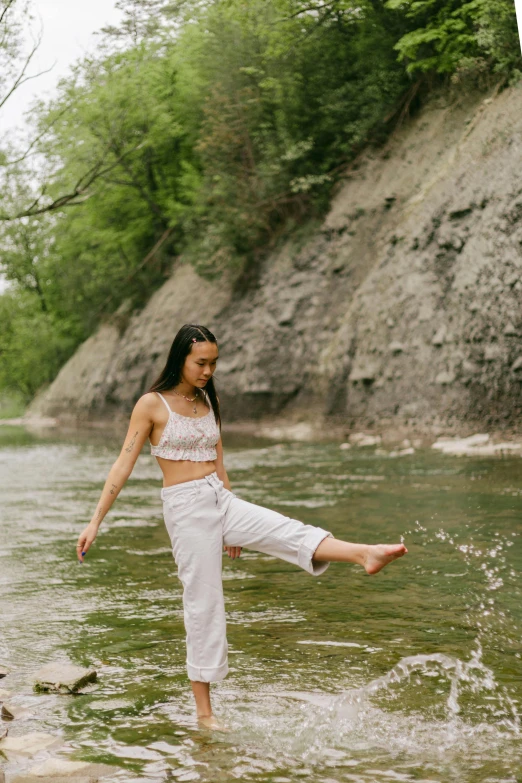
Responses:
[220,468]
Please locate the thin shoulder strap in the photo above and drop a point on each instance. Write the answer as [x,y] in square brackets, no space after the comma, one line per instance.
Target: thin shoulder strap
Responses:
[165,401]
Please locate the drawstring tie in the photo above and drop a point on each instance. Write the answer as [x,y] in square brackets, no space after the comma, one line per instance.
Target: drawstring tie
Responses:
[215,482]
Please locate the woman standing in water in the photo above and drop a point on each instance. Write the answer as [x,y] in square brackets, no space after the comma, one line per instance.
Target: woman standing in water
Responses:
[201,514]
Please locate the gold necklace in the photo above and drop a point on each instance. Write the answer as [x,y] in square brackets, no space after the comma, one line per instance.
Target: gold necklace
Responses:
[188,398]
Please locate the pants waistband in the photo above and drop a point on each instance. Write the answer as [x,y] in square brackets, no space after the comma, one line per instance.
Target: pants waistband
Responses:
[212,479]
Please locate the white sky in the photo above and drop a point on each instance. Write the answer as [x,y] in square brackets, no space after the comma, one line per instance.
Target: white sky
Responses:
[518,9]
[68,27]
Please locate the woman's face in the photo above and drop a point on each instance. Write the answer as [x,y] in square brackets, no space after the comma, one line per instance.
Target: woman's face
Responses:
[200,364]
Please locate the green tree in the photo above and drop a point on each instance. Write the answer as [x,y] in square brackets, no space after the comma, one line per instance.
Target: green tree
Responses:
[451,34]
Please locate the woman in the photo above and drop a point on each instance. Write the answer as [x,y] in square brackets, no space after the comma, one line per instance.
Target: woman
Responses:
[201,513]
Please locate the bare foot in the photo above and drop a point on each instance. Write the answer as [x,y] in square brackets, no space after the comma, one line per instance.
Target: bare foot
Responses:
[379,555]
[211,722]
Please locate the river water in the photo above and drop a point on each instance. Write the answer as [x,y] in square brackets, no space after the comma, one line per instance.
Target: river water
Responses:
[411,675]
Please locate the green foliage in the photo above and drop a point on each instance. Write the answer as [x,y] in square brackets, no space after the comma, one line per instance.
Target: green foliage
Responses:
[453,35]
[12,405]
[33,344]
[288,99]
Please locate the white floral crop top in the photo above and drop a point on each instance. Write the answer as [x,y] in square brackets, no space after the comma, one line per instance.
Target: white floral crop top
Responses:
[189,438]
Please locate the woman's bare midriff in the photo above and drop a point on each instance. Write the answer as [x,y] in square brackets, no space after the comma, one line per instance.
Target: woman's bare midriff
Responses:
[176,471]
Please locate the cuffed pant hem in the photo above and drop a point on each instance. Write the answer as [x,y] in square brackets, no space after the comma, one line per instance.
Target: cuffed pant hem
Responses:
[306,551]
[205,674]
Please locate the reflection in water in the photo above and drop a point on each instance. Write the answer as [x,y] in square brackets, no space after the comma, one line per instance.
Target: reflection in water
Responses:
[410,675]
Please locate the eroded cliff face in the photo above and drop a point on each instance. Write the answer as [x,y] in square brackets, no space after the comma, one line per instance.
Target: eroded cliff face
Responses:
[403,307]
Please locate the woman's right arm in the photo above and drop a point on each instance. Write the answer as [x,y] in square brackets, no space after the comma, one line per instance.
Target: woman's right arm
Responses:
[140,426]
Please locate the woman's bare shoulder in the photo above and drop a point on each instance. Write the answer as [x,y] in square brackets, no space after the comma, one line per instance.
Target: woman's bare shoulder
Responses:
[147,403]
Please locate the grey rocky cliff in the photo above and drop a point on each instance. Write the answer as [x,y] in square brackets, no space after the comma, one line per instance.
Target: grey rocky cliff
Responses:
[404,306]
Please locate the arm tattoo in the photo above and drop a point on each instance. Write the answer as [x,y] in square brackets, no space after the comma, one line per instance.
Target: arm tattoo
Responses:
[131,444]
[112,490]
[99,513]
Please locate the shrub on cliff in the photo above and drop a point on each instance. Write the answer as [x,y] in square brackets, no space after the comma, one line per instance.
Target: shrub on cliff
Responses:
[451,36]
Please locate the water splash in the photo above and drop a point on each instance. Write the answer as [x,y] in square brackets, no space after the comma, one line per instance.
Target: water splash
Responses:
[352,726]
[471,676]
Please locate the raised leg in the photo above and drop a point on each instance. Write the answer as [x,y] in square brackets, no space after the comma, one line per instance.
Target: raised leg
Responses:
[372,557]
[264,530]
[312,548]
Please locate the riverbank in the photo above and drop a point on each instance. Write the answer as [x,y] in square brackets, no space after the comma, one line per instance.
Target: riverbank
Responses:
[400,311]
[390,435]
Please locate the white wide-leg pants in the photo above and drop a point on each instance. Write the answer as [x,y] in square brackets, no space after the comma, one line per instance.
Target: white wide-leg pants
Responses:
[202,517]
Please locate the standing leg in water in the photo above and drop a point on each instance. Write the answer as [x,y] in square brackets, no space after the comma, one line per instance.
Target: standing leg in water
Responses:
[372,557]
[206,718]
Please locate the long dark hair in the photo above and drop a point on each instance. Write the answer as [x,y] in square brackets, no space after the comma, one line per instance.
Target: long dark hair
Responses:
[179,350]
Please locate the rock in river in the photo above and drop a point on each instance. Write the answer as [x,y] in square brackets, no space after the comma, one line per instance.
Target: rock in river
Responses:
[65,771]
[11,711]
[63,677]
[28,744]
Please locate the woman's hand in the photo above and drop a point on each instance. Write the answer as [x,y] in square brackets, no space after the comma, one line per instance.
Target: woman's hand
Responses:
[233,551]
[85,540]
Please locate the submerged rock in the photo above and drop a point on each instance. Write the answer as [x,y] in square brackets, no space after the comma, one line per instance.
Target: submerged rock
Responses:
[63,770]
[28,744]
[76,778]
[4,671]
[52,779]
[14,711]
[63,678]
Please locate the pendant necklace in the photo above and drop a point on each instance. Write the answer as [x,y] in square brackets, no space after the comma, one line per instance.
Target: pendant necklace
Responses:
[189,399]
